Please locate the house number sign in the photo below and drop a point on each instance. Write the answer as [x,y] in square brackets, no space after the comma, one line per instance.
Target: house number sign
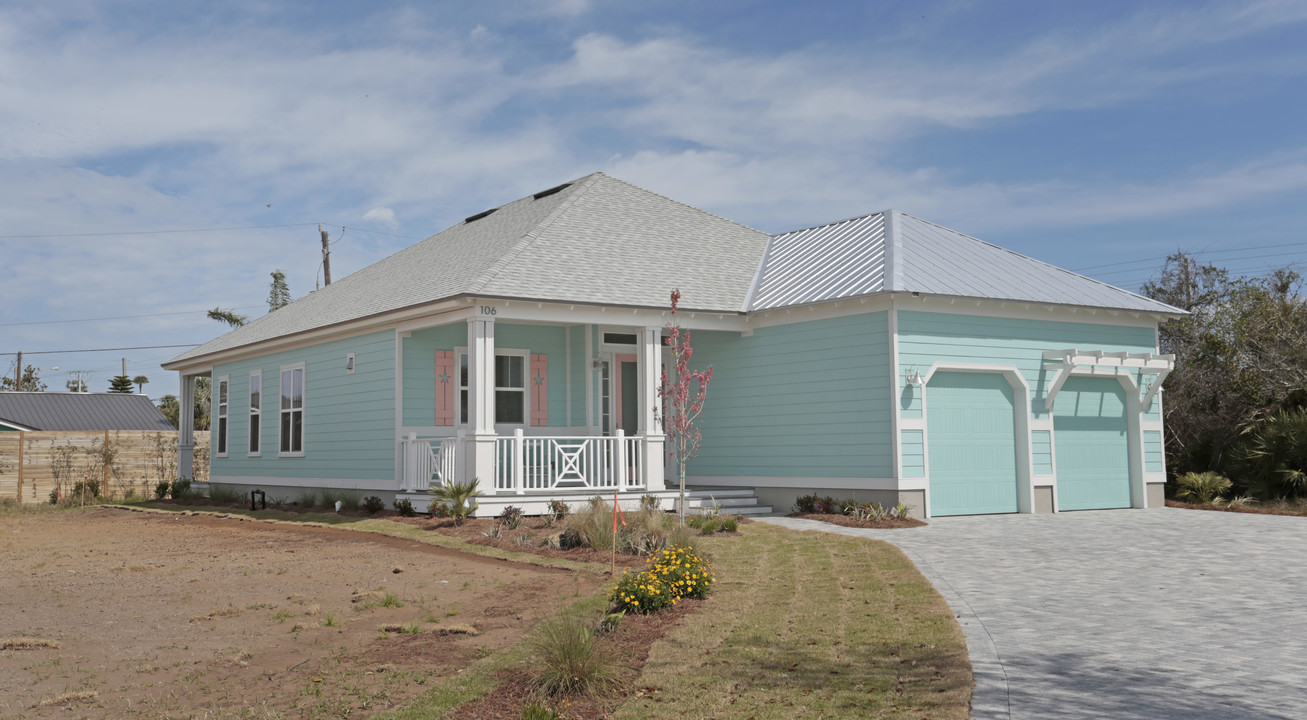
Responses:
[487,310]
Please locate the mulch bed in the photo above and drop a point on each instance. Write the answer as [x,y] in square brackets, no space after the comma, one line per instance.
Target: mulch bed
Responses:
[846,521]
[1252,509]
[630,643]
[526,538]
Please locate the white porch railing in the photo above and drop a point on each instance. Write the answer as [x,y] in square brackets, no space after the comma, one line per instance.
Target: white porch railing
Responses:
[428,461]
[541,464]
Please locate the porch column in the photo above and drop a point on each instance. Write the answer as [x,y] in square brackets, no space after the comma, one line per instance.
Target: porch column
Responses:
[650,366]
[481,402]
[186,428]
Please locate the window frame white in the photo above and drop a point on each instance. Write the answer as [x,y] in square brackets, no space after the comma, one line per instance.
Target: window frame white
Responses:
[222,416]
[281,412]
[461,355]
[254,443]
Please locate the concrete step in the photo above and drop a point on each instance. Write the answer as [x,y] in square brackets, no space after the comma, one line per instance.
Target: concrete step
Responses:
[719,493]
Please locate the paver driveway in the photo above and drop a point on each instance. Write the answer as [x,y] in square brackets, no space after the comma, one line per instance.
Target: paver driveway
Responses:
[1159,613]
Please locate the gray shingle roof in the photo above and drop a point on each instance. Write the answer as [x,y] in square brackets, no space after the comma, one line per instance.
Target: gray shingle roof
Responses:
[599,240]
[604,241]
[896,252]
[81,411]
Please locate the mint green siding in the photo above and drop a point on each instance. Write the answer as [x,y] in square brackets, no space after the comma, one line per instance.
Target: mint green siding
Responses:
[912,446]
[349,419]
[971,444]
[1093,454]
[419,359]
[419,392]
[577,374]
[802,400]
[1041,451]
[1153,460]
[926,338]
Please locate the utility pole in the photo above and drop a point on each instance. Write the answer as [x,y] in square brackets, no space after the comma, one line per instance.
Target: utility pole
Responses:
[326,258]
[124,367]
[18,376]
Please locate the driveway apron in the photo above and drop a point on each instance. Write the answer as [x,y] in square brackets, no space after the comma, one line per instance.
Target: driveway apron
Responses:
[1160,613]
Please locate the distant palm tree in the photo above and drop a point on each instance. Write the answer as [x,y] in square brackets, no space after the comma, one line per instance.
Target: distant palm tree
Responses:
[140,381]
[228,316]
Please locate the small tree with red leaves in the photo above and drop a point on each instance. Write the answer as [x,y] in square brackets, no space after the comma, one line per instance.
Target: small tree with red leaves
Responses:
[681,407]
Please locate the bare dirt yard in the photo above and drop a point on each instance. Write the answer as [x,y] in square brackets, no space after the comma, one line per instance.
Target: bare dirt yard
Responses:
[113,613]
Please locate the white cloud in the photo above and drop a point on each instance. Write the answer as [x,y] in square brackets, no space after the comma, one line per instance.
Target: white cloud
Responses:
[383,215]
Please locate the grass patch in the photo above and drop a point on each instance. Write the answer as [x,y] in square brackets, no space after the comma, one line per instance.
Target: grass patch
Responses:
[80,696]
[22,643]
[806,624]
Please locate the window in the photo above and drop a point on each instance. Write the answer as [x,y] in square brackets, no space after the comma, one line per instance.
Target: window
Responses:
[220,444]
[292,410]
[256,412]
[510,387]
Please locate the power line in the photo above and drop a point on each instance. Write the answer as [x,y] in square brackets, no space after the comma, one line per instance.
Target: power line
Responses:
[88,350]
[153,232]
[120,317]
[1198,254]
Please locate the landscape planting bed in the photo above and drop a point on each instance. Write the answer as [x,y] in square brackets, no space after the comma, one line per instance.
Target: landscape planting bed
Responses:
[164,615]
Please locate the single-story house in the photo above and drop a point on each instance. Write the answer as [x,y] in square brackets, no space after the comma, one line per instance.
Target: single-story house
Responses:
[93,412]
[883,357]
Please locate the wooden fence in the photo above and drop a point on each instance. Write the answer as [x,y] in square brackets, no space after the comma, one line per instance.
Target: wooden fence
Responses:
[33,464]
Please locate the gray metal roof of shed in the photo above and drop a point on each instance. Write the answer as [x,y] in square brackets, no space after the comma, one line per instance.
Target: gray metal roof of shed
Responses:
[891,251]
[81,411]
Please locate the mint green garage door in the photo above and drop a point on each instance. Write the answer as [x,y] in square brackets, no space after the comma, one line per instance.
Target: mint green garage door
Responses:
[971,444]
[1091,445]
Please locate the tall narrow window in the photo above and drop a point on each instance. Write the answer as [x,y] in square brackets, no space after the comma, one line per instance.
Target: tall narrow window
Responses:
[292,410]
[462,388]
[220,443]
[256,412]
[510,389]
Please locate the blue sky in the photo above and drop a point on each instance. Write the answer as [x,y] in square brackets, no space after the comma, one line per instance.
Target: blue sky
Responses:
[1092,135]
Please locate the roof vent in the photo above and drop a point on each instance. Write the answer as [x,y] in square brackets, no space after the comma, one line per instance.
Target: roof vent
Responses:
[551,191]
[479,215]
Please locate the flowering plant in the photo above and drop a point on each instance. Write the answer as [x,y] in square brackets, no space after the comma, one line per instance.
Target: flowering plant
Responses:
[670,575]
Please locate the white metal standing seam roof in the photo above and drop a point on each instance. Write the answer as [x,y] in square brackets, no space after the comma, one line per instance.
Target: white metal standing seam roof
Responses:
[892,251]
[598,240]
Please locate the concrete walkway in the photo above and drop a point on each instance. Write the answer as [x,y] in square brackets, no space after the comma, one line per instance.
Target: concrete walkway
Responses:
[1160,613]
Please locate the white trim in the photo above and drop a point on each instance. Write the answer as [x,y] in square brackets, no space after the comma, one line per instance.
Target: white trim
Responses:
[304,401]
[384,484]
[589,380]
[834,483]
[567,375]
[460,352]
[222,412]
[400,337]
[17,427]
[250,435]
[895,435]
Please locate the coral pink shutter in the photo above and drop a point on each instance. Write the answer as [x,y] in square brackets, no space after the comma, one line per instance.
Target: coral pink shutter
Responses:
[539,389]
[446,387]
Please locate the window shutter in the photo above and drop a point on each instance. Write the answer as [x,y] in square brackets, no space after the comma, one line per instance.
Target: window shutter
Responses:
[539,389]
[446,387]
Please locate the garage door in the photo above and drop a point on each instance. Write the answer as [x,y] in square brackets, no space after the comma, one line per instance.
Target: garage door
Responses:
[971,444]
[1091,445]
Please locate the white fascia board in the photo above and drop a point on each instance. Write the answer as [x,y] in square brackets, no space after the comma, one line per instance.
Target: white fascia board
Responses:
[558,313]
[1027,310]
[16,426]
[306,338]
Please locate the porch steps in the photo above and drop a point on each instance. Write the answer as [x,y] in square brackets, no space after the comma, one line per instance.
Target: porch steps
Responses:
[732,500]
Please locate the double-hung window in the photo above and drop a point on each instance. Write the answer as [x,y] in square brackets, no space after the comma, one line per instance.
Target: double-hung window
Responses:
[256,413]
[510,387]
[292,411]
[220,443]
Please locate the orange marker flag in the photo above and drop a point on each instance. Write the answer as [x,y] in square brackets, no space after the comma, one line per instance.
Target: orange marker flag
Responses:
[617,511]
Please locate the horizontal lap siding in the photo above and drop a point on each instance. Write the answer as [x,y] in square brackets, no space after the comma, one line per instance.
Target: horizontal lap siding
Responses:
[1041,451]
[804,400]
[914,453]
[349,418]
[1153,457]
[926,338]
[419,392]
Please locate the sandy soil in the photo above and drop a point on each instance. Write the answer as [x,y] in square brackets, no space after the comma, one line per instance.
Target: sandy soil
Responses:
[167,616]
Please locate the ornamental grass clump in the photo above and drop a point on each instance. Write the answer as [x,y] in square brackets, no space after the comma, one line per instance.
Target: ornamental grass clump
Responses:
[672,574]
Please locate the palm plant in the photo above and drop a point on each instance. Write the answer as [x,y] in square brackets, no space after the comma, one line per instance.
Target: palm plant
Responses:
[457,498]
[1275,455]
[1202,488]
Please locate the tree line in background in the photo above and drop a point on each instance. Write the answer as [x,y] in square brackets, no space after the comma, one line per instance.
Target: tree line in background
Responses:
[1236,402]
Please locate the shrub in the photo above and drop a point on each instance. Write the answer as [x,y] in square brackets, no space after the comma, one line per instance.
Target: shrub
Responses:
[592,526]
[806,503]
[373,505]
[646,531]
[650,502]
[670,575]
[161,489]
[1274,455]
[225,495]
[559,509]
[827,505]
[730,523]
[510,517]
[181,489]
[405,508]
[1202,488]
[568,658]
[307,497]
[536,711]
[709,526]
[458,499]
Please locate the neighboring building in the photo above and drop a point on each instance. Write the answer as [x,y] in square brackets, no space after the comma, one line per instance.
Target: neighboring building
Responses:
[48,411]
[882,357]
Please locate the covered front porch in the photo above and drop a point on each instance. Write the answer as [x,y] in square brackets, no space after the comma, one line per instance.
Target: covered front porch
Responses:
[533,408]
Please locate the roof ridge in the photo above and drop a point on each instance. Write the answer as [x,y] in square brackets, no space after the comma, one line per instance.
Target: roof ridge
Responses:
[683,204]
[531,235]
[1041,262]
[834,222]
